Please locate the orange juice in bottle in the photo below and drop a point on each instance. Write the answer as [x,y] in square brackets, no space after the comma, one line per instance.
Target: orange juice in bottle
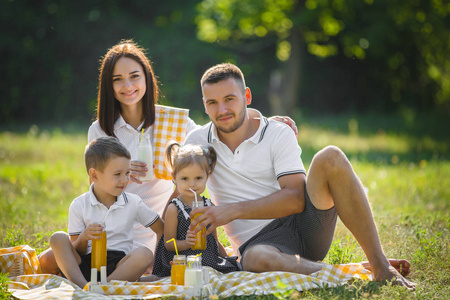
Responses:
[200,243]
[178,269]
[98,256]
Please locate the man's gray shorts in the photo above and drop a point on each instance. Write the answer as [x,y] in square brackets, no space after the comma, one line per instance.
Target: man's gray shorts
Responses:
[308,233]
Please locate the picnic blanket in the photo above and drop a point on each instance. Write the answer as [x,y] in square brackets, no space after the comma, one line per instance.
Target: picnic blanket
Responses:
[44,286]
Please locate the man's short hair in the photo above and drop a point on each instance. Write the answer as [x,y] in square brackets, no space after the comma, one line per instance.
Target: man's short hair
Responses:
[101,150]
[222,72]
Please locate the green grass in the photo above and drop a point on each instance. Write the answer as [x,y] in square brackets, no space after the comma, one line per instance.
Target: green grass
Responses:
[404,162]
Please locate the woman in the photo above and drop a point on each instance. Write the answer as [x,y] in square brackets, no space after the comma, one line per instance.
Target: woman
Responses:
[126,108]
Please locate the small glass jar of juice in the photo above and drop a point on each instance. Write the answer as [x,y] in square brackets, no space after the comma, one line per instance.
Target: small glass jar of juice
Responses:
[178,269]
[200,243]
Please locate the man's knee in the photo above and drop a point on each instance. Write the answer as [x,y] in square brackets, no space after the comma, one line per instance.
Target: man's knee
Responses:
[261,258]
[330,159]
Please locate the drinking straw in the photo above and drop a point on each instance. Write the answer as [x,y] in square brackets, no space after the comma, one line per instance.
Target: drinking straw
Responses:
[175,244]
[195,194]
[103,223]
[190,262]
[142,133]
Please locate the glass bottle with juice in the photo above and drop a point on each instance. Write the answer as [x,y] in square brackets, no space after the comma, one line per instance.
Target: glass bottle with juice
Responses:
[200,243]
[145,154]
[178,269]
[98,255]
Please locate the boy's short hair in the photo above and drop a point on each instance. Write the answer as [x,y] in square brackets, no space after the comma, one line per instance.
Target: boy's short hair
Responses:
[221,72]
[101,150]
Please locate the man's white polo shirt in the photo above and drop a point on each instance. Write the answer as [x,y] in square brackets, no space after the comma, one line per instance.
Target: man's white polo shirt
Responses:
[118,219]
[252,171]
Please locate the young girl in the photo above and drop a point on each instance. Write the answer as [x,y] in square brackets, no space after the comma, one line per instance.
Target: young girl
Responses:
[191,165]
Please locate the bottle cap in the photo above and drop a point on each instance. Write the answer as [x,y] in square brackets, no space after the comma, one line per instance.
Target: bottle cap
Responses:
[103,275]
[93,276]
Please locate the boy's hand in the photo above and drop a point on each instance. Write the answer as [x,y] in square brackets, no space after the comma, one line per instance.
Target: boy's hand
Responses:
[92,231]
[191,238]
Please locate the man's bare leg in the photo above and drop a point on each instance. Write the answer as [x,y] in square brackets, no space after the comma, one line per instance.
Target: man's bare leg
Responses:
[264,258]
[330,182]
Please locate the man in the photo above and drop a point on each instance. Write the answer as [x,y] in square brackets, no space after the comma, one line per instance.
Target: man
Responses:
[279,218]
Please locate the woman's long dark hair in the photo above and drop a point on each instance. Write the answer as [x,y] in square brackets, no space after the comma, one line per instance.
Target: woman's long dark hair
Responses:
[108,108]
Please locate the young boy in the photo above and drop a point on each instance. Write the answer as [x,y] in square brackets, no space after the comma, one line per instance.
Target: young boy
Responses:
[105,207]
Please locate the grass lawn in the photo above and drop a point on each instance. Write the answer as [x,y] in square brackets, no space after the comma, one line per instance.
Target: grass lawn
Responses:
[404,162]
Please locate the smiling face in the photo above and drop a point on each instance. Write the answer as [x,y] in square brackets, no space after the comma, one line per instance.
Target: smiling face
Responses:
[110,183]
[225,103]
[128,82]
[193,177]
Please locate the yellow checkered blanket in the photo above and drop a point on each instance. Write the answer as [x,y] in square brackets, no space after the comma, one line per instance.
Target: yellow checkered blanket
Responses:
[170,125]
[41,286]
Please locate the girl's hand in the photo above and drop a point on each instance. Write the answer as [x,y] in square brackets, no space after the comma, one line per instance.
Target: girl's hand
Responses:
[138,169]
[92,232]
[191,238]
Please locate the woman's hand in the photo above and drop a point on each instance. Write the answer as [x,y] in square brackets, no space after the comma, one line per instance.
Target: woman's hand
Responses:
[288,121]
[138,169]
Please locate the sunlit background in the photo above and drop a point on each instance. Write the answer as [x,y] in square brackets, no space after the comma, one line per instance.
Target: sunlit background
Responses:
[299,57]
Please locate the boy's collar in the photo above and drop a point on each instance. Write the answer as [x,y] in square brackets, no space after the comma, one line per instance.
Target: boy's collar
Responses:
[120,200]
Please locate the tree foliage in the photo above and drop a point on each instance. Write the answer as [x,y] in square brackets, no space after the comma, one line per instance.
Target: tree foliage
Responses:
[380,54]
[401,46]
[50,54]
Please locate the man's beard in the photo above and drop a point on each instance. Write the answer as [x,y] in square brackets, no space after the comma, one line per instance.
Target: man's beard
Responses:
[239,121]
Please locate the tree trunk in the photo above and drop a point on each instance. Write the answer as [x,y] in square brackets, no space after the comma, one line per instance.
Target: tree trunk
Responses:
[284,83]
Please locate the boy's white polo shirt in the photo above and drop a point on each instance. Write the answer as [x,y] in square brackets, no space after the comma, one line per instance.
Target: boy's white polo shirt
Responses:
[252,171]
[119,218]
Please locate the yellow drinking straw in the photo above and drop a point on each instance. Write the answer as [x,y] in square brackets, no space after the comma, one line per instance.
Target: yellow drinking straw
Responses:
[175,244]
[190,262]
[142,133]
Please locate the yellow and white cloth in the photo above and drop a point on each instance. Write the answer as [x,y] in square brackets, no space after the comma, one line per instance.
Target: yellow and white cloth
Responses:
[170,125]
[19,260]
[41,286]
